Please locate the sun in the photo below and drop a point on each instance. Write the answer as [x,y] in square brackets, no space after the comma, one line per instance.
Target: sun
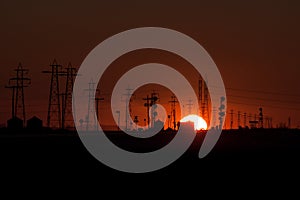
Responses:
[199,122]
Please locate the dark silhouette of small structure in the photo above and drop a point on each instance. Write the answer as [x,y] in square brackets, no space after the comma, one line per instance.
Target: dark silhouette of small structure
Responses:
[158,125]
[187,127]
[15,123]
[34,123]
[253,123]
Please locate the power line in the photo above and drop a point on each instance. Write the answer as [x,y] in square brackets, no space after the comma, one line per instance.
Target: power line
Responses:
[263,92]
[249,104]
[258,91]
[265,99]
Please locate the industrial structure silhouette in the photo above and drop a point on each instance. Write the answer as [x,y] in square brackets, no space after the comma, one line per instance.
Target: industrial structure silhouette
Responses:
[59,114]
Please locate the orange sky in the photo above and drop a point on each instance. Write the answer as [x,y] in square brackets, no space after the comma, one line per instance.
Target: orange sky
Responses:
[255,45]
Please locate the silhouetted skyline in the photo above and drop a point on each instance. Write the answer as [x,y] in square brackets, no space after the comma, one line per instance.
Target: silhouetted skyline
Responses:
[254,44]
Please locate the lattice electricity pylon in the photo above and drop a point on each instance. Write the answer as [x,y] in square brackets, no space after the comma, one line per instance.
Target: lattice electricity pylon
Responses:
[17,84]
[54,106]
[206,111]
[128,94]
[67,108]
[91,107]
[173,102]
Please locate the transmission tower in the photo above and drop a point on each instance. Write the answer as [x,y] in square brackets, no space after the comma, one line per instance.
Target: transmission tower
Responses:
[127,111]
[173,108]
[205,104]
[239,119]
[91,105]
[203,99]
[54,107]
[67,109]
[17,84]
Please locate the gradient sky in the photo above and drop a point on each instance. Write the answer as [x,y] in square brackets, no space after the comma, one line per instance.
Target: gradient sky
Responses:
[255,44]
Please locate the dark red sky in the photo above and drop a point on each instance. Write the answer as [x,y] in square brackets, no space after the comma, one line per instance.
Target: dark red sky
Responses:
[255,44]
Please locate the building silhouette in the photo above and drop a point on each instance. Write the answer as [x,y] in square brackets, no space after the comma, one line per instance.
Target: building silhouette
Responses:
[34,123]
[15,123]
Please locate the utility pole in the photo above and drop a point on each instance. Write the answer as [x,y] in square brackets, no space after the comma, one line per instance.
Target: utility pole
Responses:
[97,104]
[151,102]
[239,119]
[118,113]
[267,122]
[205,104]
[154,99]
[127,111]
[136,121]
[249,117]
[173,108]
[147,105]
[261,118]
[245,120]
[98,99]
[17,84]
[221,112]
[214,112]
[190,104]
[169,121]
[200,96]
[231,119]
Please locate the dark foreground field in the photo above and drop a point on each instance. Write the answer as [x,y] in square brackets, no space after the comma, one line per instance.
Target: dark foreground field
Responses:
[245,156]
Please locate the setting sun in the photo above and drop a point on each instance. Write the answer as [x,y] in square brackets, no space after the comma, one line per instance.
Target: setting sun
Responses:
[199,122]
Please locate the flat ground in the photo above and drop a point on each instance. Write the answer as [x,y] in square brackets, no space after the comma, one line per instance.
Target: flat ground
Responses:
[262,156]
